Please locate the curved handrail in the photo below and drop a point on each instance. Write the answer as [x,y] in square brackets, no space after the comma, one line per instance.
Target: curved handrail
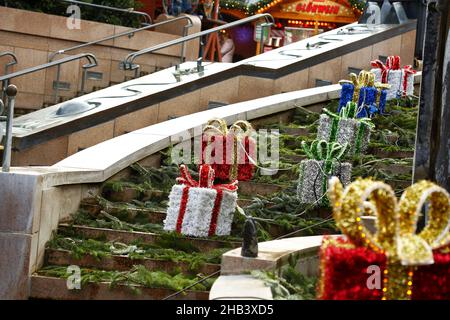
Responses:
[146,16]
[13,62]
[125,33]
[9,64]
[92,62]
[128,61]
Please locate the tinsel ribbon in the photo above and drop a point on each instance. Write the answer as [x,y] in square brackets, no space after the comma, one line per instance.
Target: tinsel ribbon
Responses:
[407,70]
[382,94]
[364,79]
[206,180]
[392,63]
[396,226]
[328,152]
[239,130]
[350,111]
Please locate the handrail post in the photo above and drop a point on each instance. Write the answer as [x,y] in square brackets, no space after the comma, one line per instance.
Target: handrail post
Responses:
[11,93]
[58,78]
[183,45]
[136,71]
[4,86]
[83,80]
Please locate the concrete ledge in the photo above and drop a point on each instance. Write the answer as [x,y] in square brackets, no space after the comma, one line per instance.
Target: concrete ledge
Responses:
[235,281]
[240,287]
[272,255]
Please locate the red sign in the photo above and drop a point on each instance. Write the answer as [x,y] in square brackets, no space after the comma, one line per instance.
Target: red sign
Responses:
[317,8]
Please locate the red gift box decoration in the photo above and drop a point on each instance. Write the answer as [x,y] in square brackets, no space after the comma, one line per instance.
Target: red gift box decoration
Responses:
[393,63]
[394,262]
[231,153]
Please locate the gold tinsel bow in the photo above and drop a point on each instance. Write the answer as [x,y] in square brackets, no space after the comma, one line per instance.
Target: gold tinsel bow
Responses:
[239,129]
[396,225]
[364,79]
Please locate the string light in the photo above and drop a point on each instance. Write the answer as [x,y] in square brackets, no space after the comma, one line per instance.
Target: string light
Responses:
[356,5]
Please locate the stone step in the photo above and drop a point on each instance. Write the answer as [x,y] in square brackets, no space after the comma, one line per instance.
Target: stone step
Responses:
[60,257]
[380,153]
[296,131]
[246,188]
[293,158]
[146,237]
[128,194]
[94,208]
[154,216]
[251,188]
[52,288]
[394,168]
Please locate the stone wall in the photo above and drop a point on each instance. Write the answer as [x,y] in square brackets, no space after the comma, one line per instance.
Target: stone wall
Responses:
[32,36]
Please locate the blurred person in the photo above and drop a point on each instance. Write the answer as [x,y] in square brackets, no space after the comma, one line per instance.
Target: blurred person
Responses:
[226,47]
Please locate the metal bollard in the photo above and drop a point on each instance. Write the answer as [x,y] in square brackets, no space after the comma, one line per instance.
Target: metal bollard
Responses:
[250,240]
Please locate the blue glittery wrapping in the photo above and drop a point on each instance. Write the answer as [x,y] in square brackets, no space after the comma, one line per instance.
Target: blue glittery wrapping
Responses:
[346,94]
[367,111]
[383,98]
[367,95]
[367,102]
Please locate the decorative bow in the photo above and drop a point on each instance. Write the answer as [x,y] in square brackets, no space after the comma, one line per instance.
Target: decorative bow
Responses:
[392,63]
[327,151]
[206,179]
[364,79]
[238,130]
[219,126]
[396,225]
[350,111]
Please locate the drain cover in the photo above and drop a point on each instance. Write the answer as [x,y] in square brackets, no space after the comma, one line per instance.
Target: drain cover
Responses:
[73,107]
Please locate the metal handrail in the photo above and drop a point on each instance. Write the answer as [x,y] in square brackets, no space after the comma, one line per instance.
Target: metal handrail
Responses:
[92,62]
[13,62]
[128,64]
[125,33]
[146,16]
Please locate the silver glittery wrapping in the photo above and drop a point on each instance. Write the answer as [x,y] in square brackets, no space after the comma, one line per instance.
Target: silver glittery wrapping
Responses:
[347,132]
[309,188]
[394,78]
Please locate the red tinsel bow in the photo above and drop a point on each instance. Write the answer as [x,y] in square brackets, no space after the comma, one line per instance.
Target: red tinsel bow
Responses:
[206,180]
[392,63]
[407,70]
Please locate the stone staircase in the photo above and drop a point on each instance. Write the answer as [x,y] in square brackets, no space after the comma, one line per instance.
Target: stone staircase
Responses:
[117,239]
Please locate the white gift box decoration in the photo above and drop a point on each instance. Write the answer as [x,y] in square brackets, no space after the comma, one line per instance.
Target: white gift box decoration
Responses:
[400,79]
[201,209]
